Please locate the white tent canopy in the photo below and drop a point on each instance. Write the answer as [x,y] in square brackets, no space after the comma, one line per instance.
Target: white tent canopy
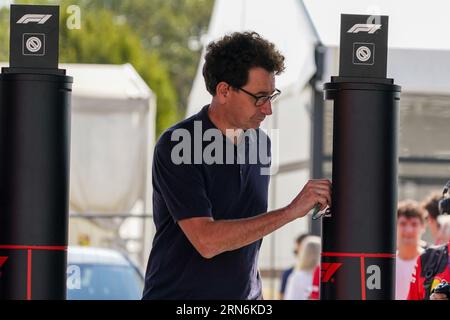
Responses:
[119,82]
[112,136]
[112,130]
[112,139]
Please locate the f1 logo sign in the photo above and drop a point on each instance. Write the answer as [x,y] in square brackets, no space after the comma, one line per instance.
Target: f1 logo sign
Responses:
[361,27]
[328,270]
[2,261]
[38,18]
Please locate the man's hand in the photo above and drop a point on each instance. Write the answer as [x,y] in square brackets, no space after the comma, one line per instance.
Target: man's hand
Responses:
[438,296]
[313,193]
[212,237]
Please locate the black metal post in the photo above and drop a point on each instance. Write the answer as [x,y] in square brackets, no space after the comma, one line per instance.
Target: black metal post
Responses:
[358,258]
[34,159]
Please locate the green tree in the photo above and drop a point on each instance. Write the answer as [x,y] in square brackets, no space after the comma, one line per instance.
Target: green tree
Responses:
[104,39]
[4,34]
[173,28]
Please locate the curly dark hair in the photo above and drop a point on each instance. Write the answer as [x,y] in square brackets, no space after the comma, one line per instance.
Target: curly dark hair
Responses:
[431,204]
[230,59]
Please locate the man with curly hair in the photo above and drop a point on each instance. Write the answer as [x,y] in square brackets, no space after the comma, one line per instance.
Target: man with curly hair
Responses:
[211,216]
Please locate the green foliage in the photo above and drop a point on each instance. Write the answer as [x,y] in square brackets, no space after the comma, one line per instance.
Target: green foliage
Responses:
[4,34]
[173,28]
[103,39]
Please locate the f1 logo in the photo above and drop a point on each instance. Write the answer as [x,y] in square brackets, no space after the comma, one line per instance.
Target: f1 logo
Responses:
[2,261]
[328,270]
[361,27]
[38,18]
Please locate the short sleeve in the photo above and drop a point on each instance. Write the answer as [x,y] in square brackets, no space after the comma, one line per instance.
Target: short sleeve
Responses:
[181,186]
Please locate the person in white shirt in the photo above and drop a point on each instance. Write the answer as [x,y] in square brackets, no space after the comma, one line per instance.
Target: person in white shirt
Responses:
[410,228]
[299,283]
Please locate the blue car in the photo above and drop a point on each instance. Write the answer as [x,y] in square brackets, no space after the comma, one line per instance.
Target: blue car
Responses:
[102,274]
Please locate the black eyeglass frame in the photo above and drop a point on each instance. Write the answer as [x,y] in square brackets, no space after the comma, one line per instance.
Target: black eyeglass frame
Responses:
[261,100]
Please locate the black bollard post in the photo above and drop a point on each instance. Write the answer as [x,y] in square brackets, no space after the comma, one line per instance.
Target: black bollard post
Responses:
[358,258]
[34,159]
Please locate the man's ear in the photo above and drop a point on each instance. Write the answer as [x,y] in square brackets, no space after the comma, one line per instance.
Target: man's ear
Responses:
[222,91]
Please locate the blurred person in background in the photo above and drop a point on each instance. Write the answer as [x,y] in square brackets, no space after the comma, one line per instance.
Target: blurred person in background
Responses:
[444,228]
[315,293]
[286,273]
[433,267]
[410,228]
[299,284]
[431,206]
[432,271]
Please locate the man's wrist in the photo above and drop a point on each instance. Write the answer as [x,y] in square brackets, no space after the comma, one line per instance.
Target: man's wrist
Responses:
[290,212]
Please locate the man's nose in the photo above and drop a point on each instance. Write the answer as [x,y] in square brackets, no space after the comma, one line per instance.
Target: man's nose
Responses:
[409,229]
[266,108]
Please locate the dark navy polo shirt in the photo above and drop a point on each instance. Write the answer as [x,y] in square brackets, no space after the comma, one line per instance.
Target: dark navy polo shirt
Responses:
[175,269]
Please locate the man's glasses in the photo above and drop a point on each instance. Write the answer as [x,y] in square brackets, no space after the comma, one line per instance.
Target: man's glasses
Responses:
[260,100]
